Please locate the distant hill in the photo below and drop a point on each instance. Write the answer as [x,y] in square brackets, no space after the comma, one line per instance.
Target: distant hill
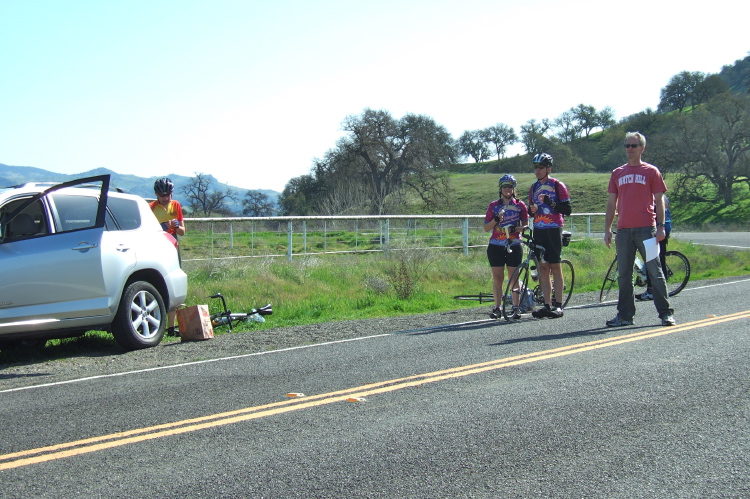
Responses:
[144,187]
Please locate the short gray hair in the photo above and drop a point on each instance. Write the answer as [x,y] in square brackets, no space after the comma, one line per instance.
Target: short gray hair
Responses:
[638,135]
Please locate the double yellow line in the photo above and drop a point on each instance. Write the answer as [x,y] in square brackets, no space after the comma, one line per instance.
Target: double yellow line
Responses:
[94,444]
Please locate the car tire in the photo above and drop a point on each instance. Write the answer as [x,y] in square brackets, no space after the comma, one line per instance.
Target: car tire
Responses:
[141,317]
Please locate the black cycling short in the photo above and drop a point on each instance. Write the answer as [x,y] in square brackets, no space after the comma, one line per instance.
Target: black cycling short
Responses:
[551,239]
[499,257]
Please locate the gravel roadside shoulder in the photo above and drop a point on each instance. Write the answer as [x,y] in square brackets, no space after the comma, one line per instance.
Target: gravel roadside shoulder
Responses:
[174,352]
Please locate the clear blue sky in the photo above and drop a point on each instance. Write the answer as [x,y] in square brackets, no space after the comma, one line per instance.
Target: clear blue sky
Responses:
[251,91]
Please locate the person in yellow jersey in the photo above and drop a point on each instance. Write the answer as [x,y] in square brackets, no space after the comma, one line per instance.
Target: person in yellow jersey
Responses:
[169,214]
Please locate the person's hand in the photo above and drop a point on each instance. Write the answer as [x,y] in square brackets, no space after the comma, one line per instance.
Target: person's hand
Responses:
[608,238]
[532,209]
[660,234]
[175,223]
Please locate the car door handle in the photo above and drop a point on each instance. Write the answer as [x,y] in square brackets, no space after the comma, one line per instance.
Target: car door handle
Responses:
[122,248]
[85,246]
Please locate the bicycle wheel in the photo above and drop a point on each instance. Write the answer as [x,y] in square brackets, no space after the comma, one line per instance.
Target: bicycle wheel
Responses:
[517,285]
[678,271]
[610,282]
[569,279]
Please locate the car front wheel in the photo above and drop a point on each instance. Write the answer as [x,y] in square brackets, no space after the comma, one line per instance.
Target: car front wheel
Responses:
[141,317]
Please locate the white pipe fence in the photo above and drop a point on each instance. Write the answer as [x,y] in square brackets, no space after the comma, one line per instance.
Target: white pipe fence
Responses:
[253,237]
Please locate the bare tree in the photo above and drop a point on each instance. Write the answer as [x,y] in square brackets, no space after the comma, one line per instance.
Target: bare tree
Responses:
[533,134]
[257,204]
[567,126]
[501,136]
[472,143]
[204,199]
[409,153]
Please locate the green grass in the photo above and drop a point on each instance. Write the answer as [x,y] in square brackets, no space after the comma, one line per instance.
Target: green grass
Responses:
[339,287]
[473,192]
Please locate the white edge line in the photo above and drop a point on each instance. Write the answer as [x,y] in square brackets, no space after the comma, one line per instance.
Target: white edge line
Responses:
[233,357]
[184,364]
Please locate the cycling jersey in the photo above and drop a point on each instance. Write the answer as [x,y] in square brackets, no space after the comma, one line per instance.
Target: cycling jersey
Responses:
[514,213]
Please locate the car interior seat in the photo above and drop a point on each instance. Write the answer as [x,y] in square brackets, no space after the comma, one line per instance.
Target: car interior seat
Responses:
[22,225]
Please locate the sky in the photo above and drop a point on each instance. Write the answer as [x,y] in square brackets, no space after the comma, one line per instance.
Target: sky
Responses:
[253,91]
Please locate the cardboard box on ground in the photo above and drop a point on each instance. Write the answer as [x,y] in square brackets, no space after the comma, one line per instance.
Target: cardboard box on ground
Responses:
[195,323]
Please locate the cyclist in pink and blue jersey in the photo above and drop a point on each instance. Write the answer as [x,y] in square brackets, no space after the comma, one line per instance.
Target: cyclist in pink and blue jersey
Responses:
[505,217]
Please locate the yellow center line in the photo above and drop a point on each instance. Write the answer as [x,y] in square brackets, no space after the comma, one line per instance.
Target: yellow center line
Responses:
[93,444]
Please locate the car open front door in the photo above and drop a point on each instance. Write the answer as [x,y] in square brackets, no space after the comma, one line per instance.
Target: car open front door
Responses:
[51,271]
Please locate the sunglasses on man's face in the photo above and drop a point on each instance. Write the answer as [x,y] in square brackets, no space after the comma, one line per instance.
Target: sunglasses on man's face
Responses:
[632,145]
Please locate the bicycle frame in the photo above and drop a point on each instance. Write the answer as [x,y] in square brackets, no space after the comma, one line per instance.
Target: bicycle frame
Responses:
[518,283]
[227,316]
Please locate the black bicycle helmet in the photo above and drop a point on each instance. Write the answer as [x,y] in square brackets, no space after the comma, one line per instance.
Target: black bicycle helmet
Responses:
[507,178]
[543,159]
[163,186]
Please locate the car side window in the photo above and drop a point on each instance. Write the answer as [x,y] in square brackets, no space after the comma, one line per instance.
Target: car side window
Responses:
[31,222]
[74,212]
[125,212]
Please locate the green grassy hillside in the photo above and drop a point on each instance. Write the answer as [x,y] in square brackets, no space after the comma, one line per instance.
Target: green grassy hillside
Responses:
[472,192]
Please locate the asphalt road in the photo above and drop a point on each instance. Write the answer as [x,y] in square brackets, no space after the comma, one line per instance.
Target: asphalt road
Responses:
[734,240]
[543,408]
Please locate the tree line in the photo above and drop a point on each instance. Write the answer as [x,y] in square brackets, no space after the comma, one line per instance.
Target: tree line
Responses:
[701,130]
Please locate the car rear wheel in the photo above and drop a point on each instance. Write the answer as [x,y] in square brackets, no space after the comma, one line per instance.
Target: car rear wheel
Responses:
[141,317]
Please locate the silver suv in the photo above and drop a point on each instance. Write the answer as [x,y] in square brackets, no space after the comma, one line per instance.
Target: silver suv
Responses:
[76,257]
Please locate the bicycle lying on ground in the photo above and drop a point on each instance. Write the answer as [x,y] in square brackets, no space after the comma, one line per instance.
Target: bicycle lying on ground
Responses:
[227,317]
[676,267]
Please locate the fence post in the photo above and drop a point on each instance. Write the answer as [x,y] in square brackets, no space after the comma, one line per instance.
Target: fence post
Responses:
[466,236]
[289,240]
[304,236]
[387,235]
[212,240]
[231,235]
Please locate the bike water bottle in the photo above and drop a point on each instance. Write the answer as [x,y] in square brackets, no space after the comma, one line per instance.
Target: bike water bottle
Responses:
[640,265]
[534,273]
[221,321]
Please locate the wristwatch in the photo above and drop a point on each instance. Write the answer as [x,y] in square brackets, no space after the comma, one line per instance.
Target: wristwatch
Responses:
[660,224]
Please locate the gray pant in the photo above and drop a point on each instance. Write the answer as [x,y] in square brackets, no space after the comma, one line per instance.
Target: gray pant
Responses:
[627,241]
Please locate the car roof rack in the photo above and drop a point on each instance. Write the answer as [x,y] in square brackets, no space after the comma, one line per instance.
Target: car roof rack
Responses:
[30,185]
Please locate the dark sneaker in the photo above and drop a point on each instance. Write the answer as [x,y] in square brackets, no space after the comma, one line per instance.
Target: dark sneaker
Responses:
[496,313]
[516,313]
[555,312]
[645,296]
[541,312]
[668,320]
[618,322]
[173,331]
